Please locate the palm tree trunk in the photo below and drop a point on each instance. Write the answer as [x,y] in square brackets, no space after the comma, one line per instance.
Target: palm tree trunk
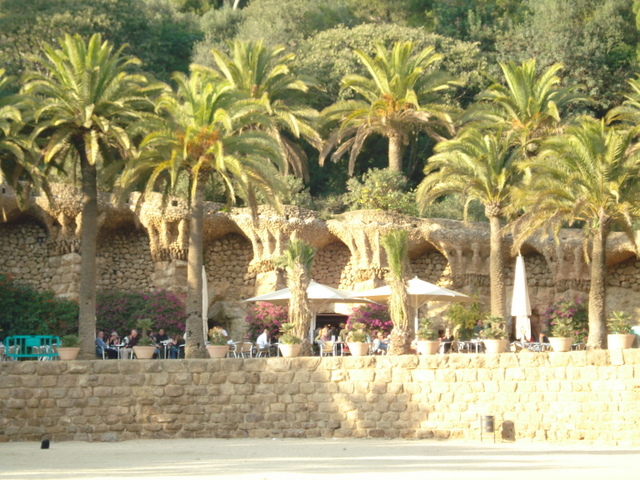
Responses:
[597,292]
[299,309]
[395,153]
[496,273]
[89,235]
[194,345]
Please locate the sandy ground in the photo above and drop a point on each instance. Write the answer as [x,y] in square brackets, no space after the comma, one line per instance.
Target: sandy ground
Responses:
[273,459]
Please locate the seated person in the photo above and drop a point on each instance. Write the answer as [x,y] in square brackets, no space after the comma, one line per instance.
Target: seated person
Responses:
[446,339]
[324,335]
[478,328]
[263,340]
[114,339]
[161,338]
[130,342]
[380,344]
[102,349]
[177,350]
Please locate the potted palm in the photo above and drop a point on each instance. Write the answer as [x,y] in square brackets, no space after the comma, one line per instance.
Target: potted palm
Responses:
[428,343]
[358,340]
[561,337]
[288,343]
[619,327]
[494,335]
[218,347]
[69,349]
[146,346]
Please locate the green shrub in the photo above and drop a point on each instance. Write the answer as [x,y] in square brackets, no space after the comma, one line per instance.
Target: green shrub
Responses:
[380,189]
[25,310]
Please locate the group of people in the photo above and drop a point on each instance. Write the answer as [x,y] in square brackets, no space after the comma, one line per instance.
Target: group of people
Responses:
[115,347]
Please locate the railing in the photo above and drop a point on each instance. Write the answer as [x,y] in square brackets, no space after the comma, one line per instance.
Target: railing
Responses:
[40,347]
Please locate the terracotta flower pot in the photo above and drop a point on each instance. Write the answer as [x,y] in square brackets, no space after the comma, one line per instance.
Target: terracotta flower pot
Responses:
[358,349]
[217,351]
[561,344]
[143,352]
[68,353]
[290,350]
[620,340]
[494,345]
[428,347]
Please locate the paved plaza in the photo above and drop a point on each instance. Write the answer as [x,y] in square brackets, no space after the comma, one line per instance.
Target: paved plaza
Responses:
[278,459]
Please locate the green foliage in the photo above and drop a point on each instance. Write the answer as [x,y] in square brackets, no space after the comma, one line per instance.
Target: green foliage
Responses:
[380,189]
[358,333]
[427,330]
[595,40]
[464,317]
[25,310]
[568,318]
[217,336]
[120,310]
[494,328]
[218,26]
[452,207]
[619,323]
[287,336]
[70,341]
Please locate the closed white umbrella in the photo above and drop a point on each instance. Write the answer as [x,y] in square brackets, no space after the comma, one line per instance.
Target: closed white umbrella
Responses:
[419,292]
[520,305]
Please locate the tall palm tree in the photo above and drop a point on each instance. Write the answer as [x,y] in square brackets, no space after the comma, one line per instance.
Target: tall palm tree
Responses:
[263,74]
[298,261]
[530,106]
[206,127]
[396,246]
[84,100]
[591,177]
[402,95]
[484,169]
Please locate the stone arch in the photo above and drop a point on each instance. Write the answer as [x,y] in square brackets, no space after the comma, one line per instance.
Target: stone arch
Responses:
[429,264]
[24,251]
[226,260]
[124,257]
[623,271]
[333,266]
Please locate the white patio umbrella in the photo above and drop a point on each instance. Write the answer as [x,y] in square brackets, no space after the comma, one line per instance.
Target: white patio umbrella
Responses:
[419,293]
[319,296]
[520,305]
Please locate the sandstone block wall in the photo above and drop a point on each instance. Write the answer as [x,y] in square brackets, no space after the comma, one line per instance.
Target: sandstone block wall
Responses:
[577,397]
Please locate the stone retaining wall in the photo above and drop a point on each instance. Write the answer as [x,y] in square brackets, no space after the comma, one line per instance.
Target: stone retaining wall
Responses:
[576,397]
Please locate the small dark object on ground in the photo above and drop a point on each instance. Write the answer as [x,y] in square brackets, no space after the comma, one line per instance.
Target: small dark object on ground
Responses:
[45,444]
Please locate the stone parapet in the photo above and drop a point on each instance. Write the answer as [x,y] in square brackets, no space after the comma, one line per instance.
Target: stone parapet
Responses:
[586,397]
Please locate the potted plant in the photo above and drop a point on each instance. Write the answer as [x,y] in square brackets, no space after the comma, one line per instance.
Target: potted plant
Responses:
[494,335]
[358,339]
[428,343]
[619,327]
[146,346]
[69,349]
[288,343]
[218,347]
[561,337]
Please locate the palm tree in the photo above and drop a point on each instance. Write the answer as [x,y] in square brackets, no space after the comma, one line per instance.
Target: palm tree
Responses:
[206,127]
[530,106]
[84,100]
[298,261]
[484,169]
[263,74]
[396,246]
[629,112]
[398,99]
[591,178]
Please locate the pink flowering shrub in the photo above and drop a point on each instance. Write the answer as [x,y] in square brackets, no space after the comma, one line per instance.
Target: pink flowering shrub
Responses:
[375,317]
[265,315]
[121,310]
[572,312]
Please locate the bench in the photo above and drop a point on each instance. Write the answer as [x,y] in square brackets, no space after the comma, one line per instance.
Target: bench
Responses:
[39,347]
